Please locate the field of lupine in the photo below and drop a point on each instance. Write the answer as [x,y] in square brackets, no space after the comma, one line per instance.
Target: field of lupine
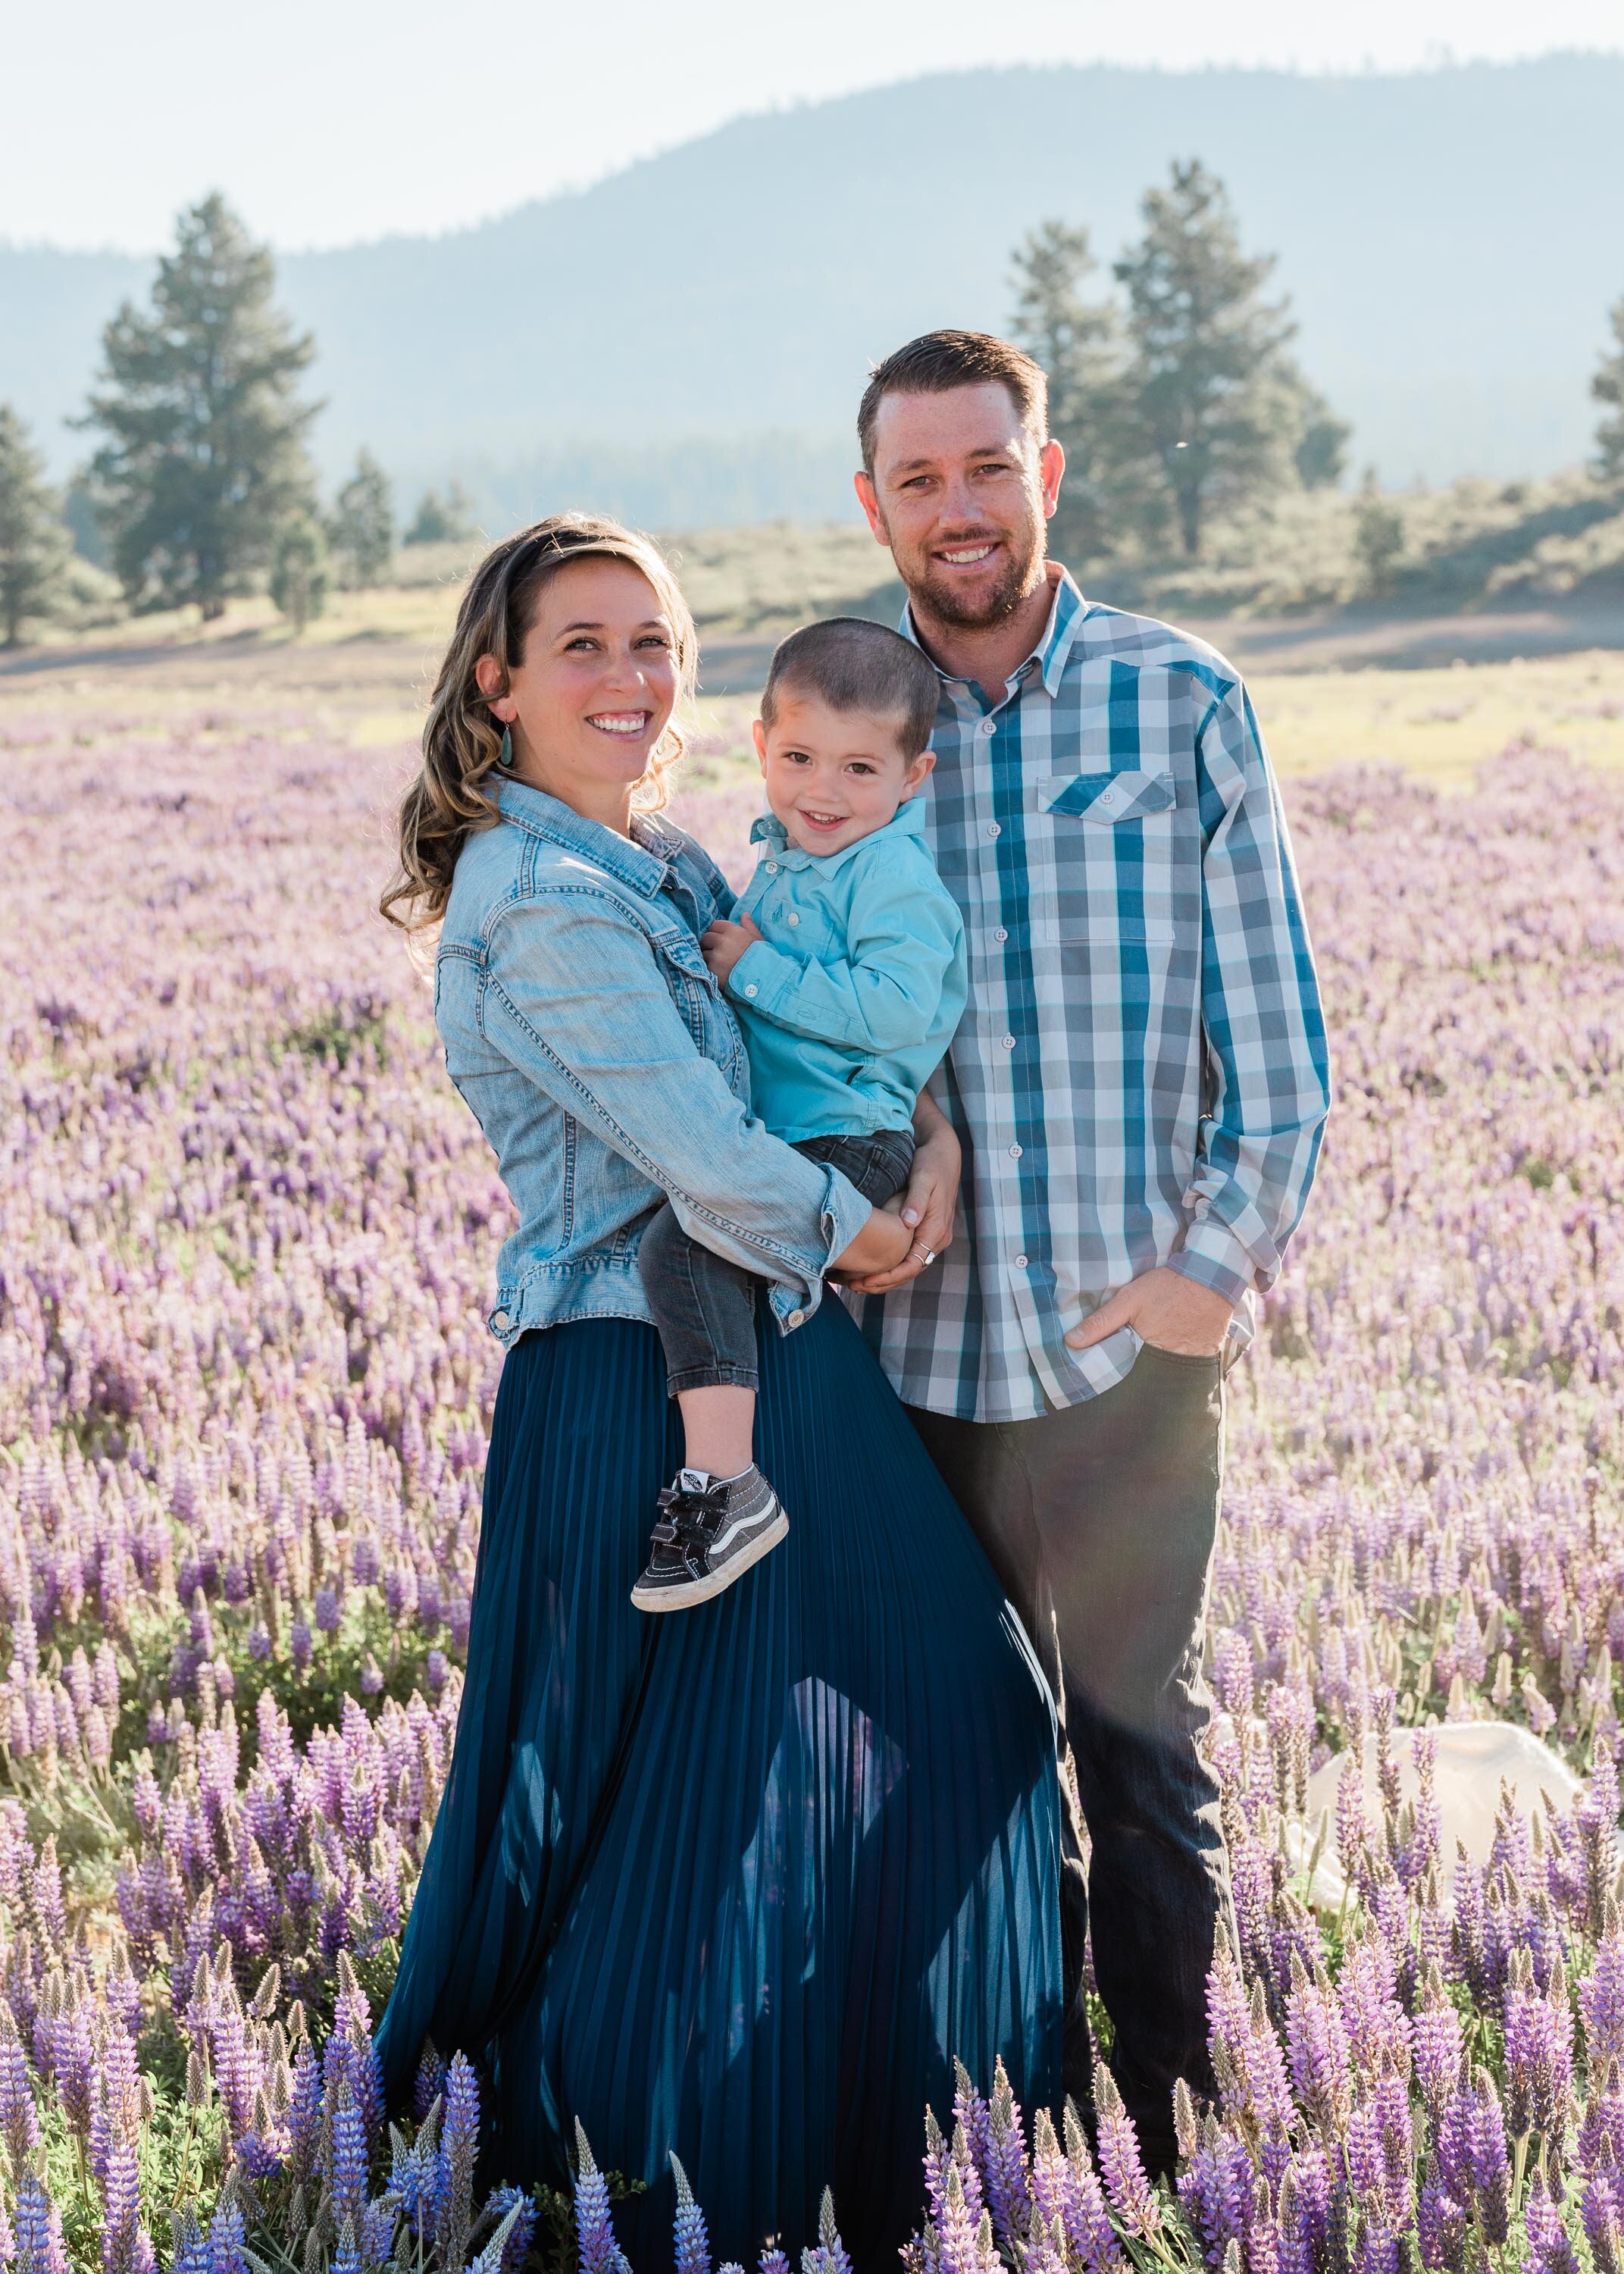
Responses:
[247,1236]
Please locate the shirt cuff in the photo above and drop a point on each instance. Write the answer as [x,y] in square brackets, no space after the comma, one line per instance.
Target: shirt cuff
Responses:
[1212,1257]
[759,974]
[843,1213]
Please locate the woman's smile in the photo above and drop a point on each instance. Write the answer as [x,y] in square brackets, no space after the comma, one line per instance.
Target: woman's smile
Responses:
[628,726]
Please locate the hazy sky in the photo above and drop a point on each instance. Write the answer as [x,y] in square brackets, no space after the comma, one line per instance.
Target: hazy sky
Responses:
[329,120]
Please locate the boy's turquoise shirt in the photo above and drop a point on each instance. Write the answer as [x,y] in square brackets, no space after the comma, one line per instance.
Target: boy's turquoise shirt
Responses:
[850,997]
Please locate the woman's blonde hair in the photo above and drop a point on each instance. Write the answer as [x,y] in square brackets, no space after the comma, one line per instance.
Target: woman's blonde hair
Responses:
[450,797]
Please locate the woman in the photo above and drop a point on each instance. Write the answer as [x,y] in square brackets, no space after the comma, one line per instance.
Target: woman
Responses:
[739,1884]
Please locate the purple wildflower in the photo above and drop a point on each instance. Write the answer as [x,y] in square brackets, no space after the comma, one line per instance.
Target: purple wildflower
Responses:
[691,2235]
[596,2250]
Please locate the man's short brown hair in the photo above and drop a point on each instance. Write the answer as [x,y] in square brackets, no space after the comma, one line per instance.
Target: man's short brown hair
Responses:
[856,665]
[938,362]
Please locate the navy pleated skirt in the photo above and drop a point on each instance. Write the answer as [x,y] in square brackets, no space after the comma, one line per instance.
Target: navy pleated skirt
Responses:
[741,1880]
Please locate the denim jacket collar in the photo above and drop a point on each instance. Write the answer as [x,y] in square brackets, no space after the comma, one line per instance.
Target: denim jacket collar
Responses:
[643,866]
[908,821]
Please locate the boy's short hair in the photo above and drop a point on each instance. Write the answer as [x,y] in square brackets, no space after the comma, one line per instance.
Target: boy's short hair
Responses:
[939,362]
[854,665]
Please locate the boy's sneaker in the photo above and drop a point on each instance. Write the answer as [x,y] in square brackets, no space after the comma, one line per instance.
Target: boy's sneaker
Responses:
[708,1533]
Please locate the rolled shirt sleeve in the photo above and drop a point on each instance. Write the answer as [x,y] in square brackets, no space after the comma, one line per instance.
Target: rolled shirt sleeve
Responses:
[575,1000]
[1269,1087]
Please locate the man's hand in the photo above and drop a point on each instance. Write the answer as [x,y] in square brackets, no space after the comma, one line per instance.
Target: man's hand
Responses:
[724,943]
[1164,1309]
[930,1206]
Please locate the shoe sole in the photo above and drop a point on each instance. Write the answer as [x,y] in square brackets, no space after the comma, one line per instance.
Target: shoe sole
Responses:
[714,1582]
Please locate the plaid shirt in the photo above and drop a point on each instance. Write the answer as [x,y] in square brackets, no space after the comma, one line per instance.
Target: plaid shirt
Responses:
[1140,1076]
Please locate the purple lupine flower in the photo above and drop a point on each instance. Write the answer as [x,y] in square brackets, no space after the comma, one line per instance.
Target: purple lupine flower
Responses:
[692,2237]
[228,2241]
[958,2239]
[1317,2047]
[305,2115]
[191,2247]
[19,2118]
[1601,1998]
[972,2116]
[1438,2045]
[1443,2227]
[1602,2216]
[1008,2194]
[459,2145]
[1120,2164]
[37,2232]
[1601,2131]
[772,2260]
[428,2082]
[1067,2194]
[1550,2250]
[346,2170]
[1216,2188]
[830,2256]
[513,2204]
[596,2250]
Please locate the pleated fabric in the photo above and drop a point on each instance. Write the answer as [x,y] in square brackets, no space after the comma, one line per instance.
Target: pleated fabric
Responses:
[737,1881]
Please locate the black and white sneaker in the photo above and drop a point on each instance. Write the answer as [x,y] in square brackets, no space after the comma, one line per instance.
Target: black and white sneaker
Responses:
[709,1530]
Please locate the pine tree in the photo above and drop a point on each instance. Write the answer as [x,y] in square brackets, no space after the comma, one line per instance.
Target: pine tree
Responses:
[1079,344]
[205,459]
[447,520]
[1377,537]
[1608,387]
[1209,386]
[299,570]
[1321,452]
[34,540]
[362,529]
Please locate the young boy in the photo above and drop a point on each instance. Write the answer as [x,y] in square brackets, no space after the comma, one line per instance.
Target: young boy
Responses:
[846,969]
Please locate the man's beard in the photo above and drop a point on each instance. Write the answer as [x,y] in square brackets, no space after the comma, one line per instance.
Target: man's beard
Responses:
[951,604]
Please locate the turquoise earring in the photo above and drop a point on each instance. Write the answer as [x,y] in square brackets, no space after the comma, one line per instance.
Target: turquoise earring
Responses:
[504,756]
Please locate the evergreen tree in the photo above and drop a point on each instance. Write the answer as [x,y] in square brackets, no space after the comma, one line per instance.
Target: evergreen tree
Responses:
[204,460]
[34,541]
[1320,455]
[299,570]
[447,520]
[1210,390]
[362,530]
[1608,387]
[1377,537]
[1079,344]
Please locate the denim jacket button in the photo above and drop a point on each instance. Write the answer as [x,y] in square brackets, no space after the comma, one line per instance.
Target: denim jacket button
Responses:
[796,1319]
[498,1319]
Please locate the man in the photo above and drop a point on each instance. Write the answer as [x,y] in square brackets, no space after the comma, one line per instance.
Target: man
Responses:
[1140,1084]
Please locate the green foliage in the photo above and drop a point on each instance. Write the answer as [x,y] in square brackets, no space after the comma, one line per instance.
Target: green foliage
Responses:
[1608,388]
[1377,537]
[360,531]
[34,540]
[299,570]
[204,460]
[1211,392]
[1321,457]
[447,520]
[1081,346]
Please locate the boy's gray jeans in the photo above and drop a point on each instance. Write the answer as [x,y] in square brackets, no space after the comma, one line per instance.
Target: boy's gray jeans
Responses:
[1099,1521]
[705,1307]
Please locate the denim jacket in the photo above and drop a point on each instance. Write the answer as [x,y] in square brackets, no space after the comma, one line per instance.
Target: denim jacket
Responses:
[605,1067]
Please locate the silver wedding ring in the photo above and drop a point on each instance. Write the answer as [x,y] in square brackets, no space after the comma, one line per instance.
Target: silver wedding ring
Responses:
[926,1254]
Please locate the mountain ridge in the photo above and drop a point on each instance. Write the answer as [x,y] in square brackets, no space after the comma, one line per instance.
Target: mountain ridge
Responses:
[1451,239]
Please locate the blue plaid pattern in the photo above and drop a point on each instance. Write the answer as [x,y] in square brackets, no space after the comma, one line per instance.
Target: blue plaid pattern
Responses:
[1140,1076]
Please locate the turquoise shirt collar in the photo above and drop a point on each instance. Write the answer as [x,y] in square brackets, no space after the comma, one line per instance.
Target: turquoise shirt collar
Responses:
[1053,650]
[908,821]
[643,865]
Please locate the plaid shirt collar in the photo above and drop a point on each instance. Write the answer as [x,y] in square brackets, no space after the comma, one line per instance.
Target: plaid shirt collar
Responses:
[1060,634]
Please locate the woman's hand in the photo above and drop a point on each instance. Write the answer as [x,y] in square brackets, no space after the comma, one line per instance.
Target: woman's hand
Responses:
[930,1206]
[722,943]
